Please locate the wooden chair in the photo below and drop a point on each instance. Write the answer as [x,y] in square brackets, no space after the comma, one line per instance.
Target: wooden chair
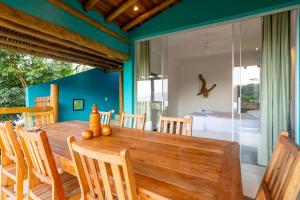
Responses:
[105,117]
[115,179]
[133,121]
[178,126]
[14,168]
[44,180]
[282,178]
[38,118]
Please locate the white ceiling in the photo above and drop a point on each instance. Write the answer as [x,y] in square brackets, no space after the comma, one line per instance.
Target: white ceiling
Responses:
[211,41]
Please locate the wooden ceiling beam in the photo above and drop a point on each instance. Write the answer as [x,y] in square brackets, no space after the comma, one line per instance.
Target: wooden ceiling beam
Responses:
[88,4]
[51,39]
[113,69]
[43,50]
[120,10]
[40,54]
[59,32]
[56,47]
[46,37]
[148,14]
[76,13]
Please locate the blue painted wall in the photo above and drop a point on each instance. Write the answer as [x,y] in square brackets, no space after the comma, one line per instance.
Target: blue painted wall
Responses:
[92,86]
[47,11]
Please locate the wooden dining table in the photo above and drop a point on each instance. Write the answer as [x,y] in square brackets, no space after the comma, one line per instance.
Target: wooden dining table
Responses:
[165,166]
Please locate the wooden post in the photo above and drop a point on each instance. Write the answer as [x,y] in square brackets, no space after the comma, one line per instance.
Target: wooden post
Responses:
[121,100]
[54,91]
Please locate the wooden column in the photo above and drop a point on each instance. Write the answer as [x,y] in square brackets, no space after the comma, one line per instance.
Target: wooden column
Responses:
[121,97]
[54,94]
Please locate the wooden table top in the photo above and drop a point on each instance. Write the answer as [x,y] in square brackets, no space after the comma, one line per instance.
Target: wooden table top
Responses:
[166,166]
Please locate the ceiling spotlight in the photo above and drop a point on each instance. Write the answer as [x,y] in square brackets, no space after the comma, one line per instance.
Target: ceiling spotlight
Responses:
[135,8]
[256,48]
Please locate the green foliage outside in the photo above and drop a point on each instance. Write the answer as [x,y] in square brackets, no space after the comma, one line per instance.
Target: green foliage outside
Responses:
[21,71]
[250,97]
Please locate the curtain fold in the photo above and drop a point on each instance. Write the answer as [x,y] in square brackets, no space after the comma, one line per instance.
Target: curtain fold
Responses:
[275,84]
[144,83]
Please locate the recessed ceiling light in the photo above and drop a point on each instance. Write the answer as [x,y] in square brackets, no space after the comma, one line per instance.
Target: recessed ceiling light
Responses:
[256,48]
[135,8]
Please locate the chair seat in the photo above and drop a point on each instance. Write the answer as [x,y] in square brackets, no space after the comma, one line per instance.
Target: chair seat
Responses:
[44,191]
[10,171]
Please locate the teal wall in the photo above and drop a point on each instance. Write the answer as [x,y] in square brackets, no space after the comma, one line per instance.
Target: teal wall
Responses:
[92,86]
[189,14]
[298,82]
[128,82]
[45,10]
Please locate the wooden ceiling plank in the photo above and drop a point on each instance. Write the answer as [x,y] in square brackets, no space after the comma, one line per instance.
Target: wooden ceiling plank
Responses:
[40,35]
[51,39]
[35,53]
[113,69]
[44,50]
[55,47]
[76,13]
[147,14]
[87,5]
[19,17]
[120,10]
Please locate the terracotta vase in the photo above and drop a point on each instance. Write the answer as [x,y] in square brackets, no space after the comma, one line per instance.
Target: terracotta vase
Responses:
[95,124]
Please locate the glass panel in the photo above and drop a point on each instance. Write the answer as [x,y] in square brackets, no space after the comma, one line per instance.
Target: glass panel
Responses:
[246,80]
[152,82]
[250,82]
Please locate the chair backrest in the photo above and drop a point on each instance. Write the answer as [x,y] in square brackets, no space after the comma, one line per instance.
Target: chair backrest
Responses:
[282,178]
[38,118]
[133,121]
[10,146]
[178,126]
[105,117]
[115,172]
[42,101]
[41,163]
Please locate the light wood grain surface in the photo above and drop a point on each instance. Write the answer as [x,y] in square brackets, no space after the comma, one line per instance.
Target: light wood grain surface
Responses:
[165,166]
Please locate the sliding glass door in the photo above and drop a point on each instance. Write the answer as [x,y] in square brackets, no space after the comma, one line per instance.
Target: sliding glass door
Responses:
[246,63]
[152,80]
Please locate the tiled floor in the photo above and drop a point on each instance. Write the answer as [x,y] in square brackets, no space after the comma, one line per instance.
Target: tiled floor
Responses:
[251,177]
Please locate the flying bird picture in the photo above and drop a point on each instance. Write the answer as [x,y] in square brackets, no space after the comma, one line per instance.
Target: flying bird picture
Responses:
[203,89]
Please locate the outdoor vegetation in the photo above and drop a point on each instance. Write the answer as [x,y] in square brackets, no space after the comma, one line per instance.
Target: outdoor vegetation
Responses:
[250,97]
[20,71]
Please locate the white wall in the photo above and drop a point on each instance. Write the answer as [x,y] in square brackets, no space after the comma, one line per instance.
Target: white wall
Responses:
[184,83]
[216,70]
[173,87]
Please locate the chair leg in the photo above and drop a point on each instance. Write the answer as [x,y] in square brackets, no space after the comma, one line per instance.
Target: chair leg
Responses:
[19,186]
